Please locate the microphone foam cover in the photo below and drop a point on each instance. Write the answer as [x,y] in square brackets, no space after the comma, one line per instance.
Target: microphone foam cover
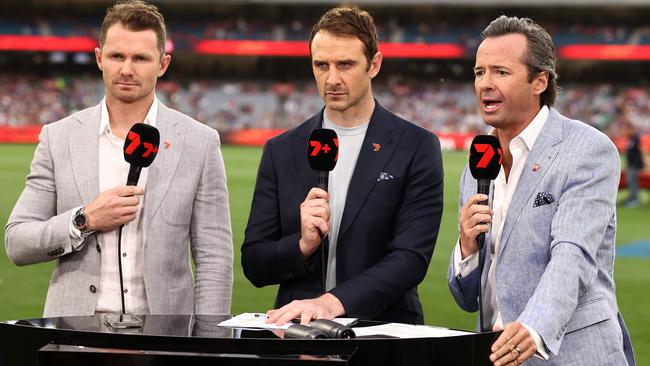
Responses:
[141,145]
[485,157]
[323,149]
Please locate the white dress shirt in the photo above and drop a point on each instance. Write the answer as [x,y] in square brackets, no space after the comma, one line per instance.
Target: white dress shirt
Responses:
[113,172]
[520,148]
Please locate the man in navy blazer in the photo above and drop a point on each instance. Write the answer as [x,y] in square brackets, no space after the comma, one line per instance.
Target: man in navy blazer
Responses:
[381,215]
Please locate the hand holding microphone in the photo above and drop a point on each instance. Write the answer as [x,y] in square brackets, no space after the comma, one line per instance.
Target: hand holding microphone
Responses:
[314,220]
[322,153]
[484,164]
[118,206]
[113,208]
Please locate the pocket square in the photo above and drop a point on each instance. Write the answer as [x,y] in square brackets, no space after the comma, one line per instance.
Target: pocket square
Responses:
[543,198]
[384,176]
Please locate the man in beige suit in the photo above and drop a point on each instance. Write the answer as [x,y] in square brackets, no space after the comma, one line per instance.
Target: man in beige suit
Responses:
[75,198]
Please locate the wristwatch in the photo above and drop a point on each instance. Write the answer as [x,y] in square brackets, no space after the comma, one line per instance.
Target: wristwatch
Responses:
[80,222]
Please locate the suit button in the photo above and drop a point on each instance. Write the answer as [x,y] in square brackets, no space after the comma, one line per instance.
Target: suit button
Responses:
[99,249]
[93,289]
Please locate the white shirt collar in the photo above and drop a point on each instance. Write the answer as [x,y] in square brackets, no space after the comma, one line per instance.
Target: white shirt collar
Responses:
[531,132]
[529,135]
[150,118]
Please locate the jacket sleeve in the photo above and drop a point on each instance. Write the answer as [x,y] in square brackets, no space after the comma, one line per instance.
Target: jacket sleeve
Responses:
[464,289]
[211,236]
[268,255]
[35,232]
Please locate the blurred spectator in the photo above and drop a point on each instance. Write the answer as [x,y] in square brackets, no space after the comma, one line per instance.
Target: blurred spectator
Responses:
[635,164]
[441,106]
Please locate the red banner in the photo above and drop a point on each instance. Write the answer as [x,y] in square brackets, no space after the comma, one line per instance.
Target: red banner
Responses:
[609,52]
[301,49]
[43,43]
[22,134]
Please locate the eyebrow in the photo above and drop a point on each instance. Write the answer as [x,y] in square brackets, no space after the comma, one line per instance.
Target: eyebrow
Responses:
[344,61]
[491,67]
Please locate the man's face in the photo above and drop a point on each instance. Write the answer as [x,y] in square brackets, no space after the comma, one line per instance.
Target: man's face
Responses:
[506,98]
[130,63]
[341,70]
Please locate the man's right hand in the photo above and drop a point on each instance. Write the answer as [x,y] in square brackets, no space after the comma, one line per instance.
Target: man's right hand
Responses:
[314,220]
[474,219]
[113,208]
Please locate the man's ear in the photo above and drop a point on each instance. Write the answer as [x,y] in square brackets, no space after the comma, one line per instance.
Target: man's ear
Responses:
[375,64]
[540,82]
[164,64]
[98,57]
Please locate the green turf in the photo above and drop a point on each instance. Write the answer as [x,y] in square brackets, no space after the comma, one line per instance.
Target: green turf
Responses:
[22,289]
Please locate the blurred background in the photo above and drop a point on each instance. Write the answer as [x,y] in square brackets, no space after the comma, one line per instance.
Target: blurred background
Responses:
[242,67]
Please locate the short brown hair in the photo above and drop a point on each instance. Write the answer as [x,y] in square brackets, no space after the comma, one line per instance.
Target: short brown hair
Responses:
[136,16]
[540,55]
[349,22]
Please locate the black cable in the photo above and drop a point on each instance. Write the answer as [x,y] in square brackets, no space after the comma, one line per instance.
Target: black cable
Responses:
[119,261]
[481,256]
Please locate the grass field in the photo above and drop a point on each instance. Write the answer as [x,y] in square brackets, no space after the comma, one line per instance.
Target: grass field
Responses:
[23,289]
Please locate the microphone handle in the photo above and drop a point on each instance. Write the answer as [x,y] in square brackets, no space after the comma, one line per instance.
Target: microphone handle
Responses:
[483,187]
[134,175]
[323,179]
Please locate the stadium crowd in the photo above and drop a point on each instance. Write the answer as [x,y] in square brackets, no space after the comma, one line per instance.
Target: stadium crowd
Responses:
[441,106]
[296,26]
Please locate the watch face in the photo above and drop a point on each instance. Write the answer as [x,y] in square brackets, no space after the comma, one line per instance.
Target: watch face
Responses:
[80,221]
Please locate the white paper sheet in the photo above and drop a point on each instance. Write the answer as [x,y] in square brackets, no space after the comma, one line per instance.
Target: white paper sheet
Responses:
[408,331]
[258,321]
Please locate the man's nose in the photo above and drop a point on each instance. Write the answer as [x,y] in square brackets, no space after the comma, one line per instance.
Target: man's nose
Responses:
[127,67]
[333,76]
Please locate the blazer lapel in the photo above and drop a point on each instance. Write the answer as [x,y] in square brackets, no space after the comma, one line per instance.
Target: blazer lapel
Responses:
[82,143]
[370,164]
[544,153]
[163,168]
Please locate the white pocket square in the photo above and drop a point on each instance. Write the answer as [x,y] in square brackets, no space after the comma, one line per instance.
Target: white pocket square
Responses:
[384,176]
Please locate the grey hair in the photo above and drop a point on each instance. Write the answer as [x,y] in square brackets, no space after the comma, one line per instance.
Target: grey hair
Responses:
[540,56]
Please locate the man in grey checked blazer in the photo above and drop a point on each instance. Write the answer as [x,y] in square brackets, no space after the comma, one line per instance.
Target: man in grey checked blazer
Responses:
[184,203]
[550,240]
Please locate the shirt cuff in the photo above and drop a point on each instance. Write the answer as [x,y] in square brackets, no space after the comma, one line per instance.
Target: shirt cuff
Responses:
[463,267]
[541,348]
[76,240]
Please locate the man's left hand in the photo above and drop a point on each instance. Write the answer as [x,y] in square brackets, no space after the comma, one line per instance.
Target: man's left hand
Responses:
[326,306]
[514,346]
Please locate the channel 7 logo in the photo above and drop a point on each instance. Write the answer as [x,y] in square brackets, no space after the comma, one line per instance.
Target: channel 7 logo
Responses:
[324,147]
[134,137]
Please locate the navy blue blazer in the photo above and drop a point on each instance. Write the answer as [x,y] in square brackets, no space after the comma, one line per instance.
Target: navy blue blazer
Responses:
[388,229]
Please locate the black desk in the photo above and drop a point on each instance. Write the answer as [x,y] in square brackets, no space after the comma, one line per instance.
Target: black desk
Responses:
[197,340]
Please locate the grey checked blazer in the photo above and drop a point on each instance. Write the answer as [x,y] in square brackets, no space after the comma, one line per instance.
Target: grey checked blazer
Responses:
[555,263]
[185,203]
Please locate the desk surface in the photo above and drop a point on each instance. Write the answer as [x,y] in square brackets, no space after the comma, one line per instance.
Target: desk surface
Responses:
[20,341]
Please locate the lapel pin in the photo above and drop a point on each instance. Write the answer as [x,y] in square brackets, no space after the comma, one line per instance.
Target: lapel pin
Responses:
[167,144]
[376,146]
[536,167]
